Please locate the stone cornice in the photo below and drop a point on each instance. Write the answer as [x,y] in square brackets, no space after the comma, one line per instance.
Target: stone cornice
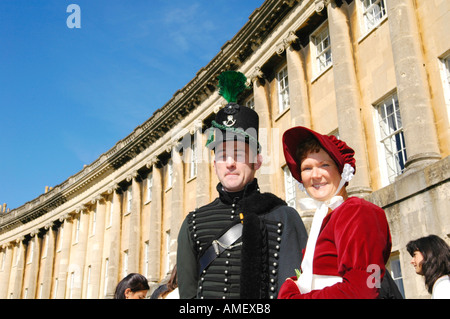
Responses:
[261,22]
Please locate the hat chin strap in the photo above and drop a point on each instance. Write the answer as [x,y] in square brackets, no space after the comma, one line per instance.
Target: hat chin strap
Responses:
[305,281]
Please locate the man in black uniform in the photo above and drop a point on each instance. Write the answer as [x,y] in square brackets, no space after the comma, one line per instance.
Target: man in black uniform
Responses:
[245,243]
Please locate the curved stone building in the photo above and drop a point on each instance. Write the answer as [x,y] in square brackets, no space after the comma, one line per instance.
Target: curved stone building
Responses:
[376,73]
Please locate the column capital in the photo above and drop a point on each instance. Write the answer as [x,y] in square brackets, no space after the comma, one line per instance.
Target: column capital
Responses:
[321,5]
[198,124]
[112,188]
[153,161]
[286,42]
[20,239]
[78,210]
[132,176]
[49,225]
[257,74]
[96,199]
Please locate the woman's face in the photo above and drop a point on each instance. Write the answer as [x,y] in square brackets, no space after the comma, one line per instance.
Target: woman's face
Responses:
[320,175]
[416,261]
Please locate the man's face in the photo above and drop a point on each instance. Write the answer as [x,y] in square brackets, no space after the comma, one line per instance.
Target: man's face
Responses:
[235,165]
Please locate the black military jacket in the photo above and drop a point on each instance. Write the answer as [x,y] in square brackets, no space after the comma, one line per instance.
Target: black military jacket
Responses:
[255,266]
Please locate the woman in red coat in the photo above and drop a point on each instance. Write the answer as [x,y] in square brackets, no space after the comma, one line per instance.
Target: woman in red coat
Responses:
[349,241]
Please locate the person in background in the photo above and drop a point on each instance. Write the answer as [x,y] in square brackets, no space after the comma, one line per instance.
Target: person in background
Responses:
[431,259]
[349,241]
[168,290]
[133,286]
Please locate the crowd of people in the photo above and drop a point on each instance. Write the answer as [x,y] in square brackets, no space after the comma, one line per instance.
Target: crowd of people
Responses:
[248,244]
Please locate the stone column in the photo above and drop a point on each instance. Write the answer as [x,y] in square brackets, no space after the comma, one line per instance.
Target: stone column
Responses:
[412,85]
[348,102]
[135,224]
[17,274]
[63,249]
[97,249]
[155,223]
[265,174]
[298,92]
[7,269]
[47,271]
[114,248]
[204,165]
[77,256]
[33,269]
[177,207]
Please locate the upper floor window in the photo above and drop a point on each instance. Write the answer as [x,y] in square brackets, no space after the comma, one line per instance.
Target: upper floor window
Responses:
[149,186]
[373,13]
[193,160]
[169,174]
[445,71]
[283,89]
[321,45]
[391,137]
[129,198]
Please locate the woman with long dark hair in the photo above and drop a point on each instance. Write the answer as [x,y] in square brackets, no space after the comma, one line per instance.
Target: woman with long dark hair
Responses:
[431,259]
[133,286]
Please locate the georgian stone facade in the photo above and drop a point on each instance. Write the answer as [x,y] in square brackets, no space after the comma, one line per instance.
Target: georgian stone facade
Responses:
[376,75]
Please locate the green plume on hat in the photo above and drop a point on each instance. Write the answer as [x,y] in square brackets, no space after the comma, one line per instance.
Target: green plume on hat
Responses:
[231,85]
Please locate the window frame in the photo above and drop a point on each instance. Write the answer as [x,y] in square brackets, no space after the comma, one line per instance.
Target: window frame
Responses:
[283,89]
[392,161]
[371,5]
[317,39]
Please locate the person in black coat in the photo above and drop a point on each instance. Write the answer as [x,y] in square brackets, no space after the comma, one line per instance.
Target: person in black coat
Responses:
[245,243]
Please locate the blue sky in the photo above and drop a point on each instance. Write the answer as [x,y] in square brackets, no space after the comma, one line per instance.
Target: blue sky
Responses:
[67,95]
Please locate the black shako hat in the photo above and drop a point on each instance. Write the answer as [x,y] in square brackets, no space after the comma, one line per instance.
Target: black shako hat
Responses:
[234,122]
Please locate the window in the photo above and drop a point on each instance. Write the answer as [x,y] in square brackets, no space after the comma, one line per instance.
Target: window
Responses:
[373,13]
[393,266]
[3,260]
[55,288]
[446,63]
[129,198]
[125,263]
[146,258]
[41,287]
[169,173]
[445,71]
[321,47]
[105,286]
[167,251]
[60,237]
[391,138]
[88,288]
[149,186]
[193,160]
[46,239]
[77,230]
[72,284]
[289,186]
[111,211]
[94,221]
[283,89]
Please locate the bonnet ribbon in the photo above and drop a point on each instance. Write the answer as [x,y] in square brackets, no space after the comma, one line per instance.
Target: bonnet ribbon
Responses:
[305,281]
